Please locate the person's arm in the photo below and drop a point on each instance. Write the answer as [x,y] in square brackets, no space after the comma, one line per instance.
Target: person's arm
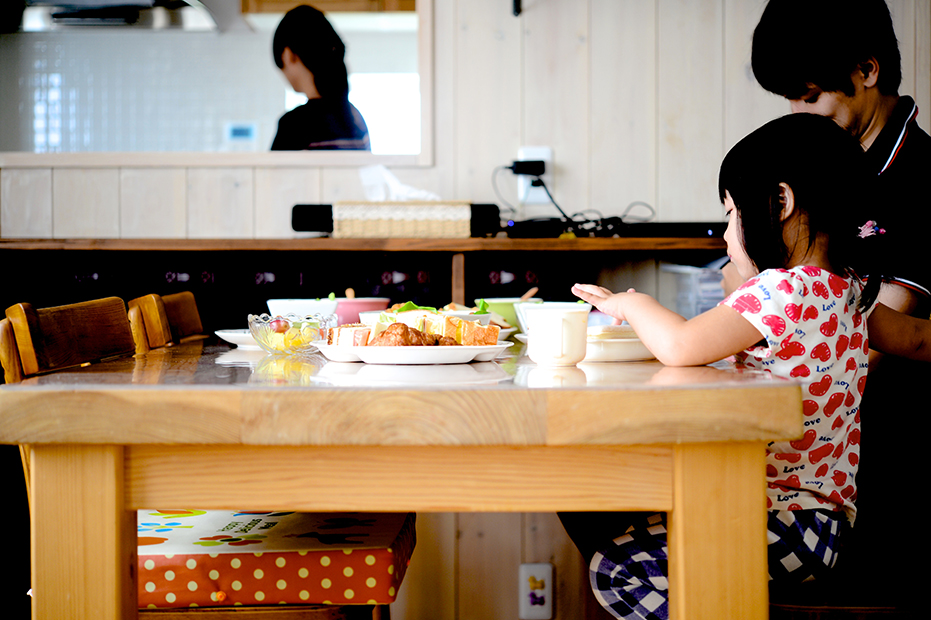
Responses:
[897,298]
[895,333]
[675,341]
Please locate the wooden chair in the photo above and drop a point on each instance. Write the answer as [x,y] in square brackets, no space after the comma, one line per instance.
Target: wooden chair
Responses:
[36,341]
[158,321]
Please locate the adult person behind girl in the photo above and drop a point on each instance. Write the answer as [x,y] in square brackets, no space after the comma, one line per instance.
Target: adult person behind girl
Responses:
[794,192]
[840,59]
[310,54]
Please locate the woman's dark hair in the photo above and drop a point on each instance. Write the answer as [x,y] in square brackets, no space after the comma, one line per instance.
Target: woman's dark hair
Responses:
[827,171]
[822,42]
[308,33]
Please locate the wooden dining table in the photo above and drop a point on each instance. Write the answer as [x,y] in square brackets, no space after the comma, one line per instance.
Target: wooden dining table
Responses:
[208,426]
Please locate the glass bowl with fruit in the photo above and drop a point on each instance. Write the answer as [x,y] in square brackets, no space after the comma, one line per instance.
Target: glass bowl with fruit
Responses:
[292,333]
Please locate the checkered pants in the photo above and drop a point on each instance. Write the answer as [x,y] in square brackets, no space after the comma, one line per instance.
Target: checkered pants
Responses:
[629,578]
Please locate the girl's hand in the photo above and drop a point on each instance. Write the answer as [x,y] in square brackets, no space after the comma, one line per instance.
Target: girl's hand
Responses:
[602,298]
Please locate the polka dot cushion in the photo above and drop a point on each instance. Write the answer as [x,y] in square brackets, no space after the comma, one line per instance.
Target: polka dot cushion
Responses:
[216,558]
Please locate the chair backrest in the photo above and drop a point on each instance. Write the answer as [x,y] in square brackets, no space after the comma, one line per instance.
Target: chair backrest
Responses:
[49,339]
[9,355]
[161,320]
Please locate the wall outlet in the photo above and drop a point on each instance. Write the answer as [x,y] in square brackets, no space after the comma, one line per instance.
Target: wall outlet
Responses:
[526,193]
[535,589]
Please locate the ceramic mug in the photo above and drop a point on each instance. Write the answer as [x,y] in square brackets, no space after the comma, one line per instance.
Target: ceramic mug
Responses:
[557,333]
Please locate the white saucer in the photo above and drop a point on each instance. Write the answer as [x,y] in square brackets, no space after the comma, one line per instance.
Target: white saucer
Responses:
[242,338]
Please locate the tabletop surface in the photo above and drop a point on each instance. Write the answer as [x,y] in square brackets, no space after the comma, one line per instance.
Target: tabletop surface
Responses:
[204,392]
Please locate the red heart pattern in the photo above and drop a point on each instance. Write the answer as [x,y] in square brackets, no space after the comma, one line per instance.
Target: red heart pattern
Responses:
[775,323]
[790,349]
[747,303]
[822,346]
[841,347]
[838,285]
[829,327]
[819,289]
[821,352]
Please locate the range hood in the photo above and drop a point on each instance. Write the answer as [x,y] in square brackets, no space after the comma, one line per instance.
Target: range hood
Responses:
[196,15]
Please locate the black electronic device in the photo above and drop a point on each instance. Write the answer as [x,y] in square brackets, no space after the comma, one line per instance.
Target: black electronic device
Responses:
[551,228]
[485,220]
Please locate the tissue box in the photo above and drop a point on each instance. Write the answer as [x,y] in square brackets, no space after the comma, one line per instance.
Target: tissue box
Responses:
[222,558]
[402,219]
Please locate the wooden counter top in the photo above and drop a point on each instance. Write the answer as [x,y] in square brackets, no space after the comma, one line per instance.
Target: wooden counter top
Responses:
[599,244]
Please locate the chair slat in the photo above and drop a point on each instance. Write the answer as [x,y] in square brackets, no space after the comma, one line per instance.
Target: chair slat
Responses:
[54,338]
[9,355]
[183,317]
[154,318]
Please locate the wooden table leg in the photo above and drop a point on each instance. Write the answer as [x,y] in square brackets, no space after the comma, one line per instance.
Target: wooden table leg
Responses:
[83,538]
[717,533]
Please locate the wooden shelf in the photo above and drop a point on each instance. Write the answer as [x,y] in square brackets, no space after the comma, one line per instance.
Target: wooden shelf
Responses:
[497,244]
[457,249]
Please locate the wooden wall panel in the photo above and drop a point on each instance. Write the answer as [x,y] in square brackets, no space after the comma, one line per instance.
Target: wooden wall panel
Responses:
[220,203]
[690,100]
[923,61]
[429,588]
[487,101]
[747,105]
[86,203]
[277,190]
[489,557]
[26,203]
[623,105]
[555,108]
[153,203]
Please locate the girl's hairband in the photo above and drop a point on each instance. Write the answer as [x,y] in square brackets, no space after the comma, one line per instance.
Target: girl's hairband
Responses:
[871,228]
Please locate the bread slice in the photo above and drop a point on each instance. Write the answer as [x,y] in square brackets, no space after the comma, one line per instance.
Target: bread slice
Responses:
[350,335]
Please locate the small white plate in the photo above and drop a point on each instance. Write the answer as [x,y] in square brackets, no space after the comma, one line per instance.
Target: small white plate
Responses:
[521,338]
[413,355]
[242,338]
[616,350]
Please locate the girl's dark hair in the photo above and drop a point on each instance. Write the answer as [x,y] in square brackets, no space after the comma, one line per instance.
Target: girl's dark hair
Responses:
[827,171]
[822,42]
[311,37]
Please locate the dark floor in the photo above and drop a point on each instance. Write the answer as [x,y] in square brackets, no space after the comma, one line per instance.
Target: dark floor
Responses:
[15,584]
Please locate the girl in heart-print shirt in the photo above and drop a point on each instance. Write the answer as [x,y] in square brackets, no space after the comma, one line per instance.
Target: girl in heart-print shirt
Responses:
[796,193]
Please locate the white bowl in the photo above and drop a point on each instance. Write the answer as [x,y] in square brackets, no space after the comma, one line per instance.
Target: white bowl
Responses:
[301,307]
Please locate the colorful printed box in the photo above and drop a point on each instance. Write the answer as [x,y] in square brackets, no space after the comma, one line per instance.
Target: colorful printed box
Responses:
[218,558]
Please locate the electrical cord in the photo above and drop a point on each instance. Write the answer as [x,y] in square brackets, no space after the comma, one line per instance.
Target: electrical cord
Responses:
[589,221]
[494,185]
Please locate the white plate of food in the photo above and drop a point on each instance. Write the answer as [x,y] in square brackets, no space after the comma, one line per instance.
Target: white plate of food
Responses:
[413,355]
[242,338]
[357,375]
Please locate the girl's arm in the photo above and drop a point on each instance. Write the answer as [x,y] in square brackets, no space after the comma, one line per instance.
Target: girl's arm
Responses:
[675,341]
[895,333]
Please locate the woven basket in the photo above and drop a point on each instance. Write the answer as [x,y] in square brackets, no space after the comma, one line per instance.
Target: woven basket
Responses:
[422,219]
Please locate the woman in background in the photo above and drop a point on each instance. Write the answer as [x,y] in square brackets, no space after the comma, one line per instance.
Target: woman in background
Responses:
[310,54]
